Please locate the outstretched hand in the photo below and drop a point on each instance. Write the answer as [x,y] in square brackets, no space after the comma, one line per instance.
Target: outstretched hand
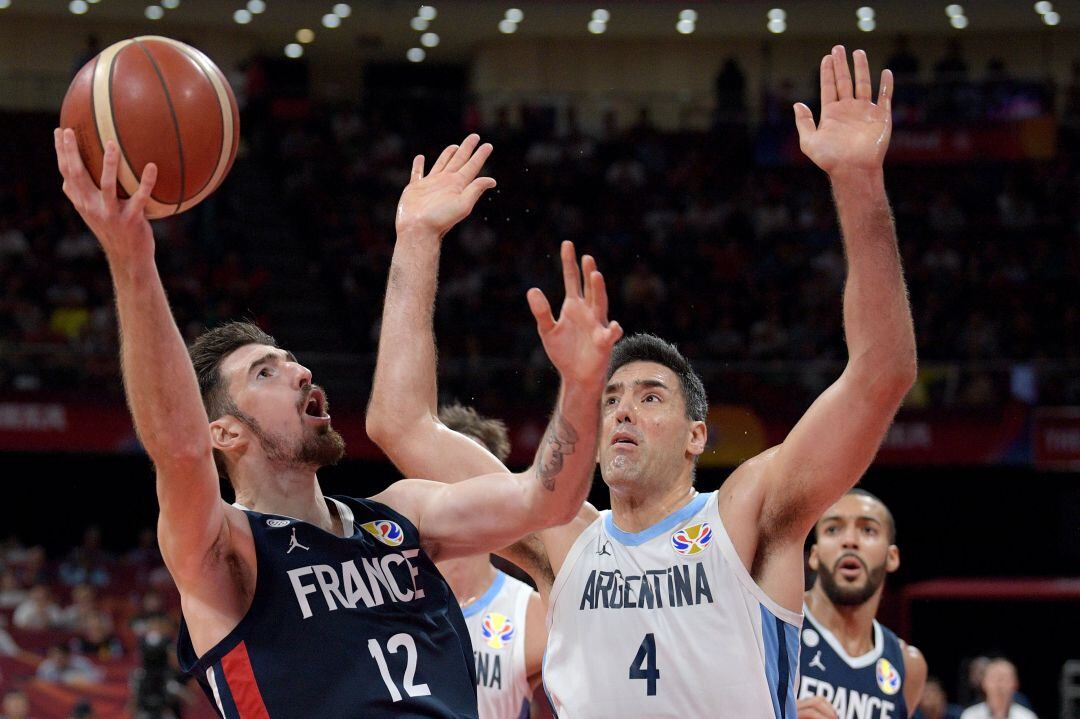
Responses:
[446,195]
[853,132]
[119,225]
[578,343]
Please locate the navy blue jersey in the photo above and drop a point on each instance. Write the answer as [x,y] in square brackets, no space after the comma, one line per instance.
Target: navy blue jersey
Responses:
[360,626]
[868,687]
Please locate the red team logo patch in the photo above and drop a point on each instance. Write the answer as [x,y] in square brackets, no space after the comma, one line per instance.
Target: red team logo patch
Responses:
[692,540]
[385,531]
[497,629]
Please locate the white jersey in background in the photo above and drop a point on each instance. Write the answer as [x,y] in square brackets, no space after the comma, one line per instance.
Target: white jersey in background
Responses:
[667,622]
[496,623]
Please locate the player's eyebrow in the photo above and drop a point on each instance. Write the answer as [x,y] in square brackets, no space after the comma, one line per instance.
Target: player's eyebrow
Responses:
[271,357]
[618,386]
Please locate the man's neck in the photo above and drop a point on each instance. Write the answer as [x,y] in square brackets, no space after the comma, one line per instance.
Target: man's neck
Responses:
[853,626]
[998,707]
[292,492]
[468,577]
[634,512]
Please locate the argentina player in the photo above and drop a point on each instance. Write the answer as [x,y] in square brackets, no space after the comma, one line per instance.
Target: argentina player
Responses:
[673,601]
[296,604]
[850,664]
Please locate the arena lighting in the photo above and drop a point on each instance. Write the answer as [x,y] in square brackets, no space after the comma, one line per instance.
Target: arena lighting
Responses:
[596,27]
[93,2]
[167,4]
[689,15]
[331,20]
[867,24]
[685,27]
[256,6]
[865,13]
[959,21]
[343,10]
[601,15]
[305,35]
[241,17]
[419,24]
[294,50]
[154,12]
[515,15]
[5,4]
[415,54]
[506,27]
[1051,18]
[776,26]
[1042,7]
[777,15]
[428,13]
[954,10]
[78,7]
[429,39]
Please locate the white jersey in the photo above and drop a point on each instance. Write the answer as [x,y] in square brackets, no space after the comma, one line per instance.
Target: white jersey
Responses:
[496,624]
[667,622]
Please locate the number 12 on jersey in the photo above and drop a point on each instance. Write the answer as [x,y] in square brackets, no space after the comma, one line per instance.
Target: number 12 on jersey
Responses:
[397,642]
[644,664]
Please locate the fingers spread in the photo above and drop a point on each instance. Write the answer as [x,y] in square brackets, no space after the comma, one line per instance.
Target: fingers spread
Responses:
[472,168]
[842,72]
[571,277]
[863,90]
[417,173]
[588,267]
[463,153]
[541,310]
[599,298]
[108,173]
[76,173]
[828,81]
[137,203]
[444,158]
[477,188]
[804,121]
[885,90]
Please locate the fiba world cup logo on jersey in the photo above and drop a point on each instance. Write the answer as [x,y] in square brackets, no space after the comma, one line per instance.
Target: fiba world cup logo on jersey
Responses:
[692,540]
[385,531]
[887,677]
[497,630]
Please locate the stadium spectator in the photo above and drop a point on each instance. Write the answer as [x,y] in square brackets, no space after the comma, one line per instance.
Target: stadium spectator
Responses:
[96,639]
[84,607]
[87,563]
[935,703]
[999,686]
[38,611]
[12,592]
[16,705]
[60,666]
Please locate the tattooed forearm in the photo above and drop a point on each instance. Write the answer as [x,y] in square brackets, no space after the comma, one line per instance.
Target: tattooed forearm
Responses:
[559,441]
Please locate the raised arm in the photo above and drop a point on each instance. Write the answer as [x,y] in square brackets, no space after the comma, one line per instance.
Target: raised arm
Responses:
[159,381]
[489,512]
[402,416]
[835,441]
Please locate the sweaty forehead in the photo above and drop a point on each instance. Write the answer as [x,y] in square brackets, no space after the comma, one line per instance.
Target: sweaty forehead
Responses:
[632,373]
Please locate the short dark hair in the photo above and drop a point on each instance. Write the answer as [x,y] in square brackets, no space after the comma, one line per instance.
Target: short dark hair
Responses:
[207,353]
[859,491]
[644,347]
[487,431]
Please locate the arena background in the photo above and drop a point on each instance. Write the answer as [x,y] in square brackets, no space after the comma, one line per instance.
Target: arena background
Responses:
[683,178]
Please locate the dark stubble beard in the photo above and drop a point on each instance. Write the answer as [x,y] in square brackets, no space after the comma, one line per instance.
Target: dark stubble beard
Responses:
[851,596]
[324,448]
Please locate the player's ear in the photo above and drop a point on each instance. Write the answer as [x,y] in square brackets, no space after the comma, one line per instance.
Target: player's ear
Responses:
[892,559]
[812,561]
[699,434]
[226,433]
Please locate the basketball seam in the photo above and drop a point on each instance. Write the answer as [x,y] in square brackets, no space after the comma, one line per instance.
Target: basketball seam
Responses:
[221,145]
[176,122]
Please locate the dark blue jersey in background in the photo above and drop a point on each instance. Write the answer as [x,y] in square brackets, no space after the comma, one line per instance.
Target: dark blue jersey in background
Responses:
[360,626]
[870,686]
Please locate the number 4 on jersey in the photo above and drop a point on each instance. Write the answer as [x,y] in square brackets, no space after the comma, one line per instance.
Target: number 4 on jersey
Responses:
[644,664]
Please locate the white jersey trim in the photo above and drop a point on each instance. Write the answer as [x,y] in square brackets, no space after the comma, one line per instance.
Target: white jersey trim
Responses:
[859,662]
[345,514]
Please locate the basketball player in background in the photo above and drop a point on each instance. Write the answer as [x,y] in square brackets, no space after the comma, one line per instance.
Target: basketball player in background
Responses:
[296,604]
[849,662]
[673,601]
[506,619]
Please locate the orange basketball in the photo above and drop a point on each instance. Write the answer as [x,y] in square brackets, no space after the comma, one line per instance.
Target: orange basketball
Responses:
[161,101]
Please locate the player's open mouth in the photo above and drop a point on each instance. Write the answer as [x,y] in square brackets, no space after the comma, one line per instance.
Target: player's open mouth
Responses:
[623,439]
[315,406]
[849,567]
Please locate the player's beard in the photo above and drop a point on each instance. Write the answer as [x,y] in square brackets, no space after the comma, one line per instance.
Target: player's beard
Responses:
[321,447]
[851,596]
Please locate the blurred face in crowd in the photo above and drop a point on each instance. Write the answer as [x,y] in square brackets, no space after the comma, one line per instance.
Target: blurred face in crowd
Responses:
[999,683]
[646,438]
[277,410]
[853,551]
[933,702]
[16,706]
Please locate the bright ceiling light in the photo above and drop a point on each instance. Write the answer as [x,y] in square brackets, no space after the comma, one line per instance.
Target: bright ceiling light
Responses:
[167,4]
[5,4]
[294,50]
[415,54]
[776,14]
[776,26]
[331,20]
[429,39]
[153,12]
[1051,18]
[685,27]
[865,13]
[596,27]
[515,15]
[343,10]
[1042,7]
[428,13]
[305,35]
[241,17]
[256,7]
[507,27]
[419,24]
[601,15]
[959,21]
[867,24]
[954,10]
[688,14]
[78,7]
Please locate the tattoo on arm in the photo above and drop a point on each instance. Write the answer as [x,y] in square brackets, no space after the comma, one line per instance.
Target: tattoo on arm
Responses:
[559,440]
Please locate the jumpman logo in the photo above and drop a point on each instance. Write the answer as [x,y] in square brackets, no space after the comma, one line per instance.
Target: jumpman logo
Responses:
[816,661]
[293,544]
[603,548]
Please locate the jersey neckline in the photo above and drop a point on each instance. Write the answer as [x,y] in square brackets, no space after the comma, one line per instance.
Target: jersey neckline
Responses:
[344,512]
[859,662]
[485,599]
[633,539]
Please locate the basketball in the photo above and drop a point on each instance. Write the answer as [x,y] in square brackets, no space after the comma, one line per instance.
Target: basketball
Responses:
[161,101]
